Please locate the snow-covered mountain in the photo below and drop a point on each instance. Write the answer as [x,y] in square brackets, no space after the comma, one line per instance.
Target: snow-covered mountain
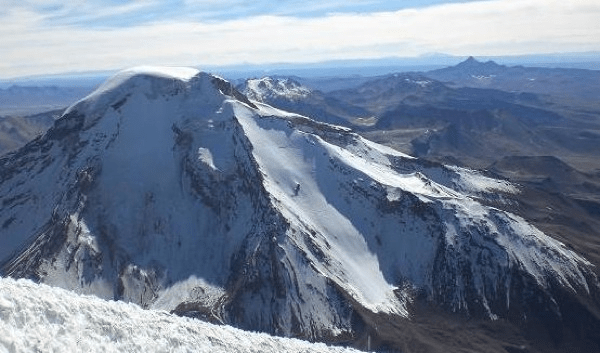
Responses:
[268,88]
[39,318]
[170,189]
[291,96]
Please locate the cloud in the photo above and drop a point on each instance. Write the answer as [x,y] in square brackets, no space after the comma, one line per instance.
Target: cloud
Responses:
[31,44]
[92,13]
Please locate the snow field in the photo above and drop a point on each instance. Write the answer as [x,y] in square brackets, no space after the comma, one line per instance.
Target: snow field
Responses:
[39,318]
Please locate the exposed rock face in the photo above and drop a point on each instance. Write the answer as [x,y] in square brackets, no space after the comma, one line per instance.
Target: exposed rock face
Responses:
[172,190]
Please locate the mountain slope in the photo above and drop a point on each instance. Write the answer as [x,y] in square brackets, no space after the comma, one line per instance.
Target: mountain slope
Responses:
[16,131]
[170,189]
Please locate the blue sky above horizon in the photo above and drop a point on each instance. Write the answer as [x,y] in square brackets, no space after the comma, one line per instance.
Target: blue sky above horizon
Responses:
[53,36]
[124,13]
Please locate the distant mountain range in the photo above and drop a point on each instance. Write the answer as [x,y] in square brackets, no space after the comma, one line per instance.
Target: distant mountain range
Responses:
[574,83]
[474,110]
[26,100]
[383,66]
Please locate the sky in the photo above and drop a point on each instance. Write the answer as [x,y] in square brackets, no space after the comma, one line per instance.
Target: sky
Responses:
[50,36]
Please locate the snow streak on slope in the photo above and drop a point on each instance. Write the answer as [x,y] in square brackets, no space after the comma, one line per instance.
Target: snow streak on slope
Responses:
[292,184]
[321,185]
[39,318]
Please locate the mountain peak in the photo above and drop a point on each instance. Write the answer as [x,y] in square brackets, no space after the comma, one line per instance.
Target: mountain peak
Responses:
[470,67]
[271,87]
[473,63]
[180,73]
[471,59]
[152,82]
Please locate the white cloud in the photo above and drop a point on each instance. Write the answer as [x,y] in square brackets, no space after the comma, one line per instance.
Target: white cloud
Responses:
[29,45]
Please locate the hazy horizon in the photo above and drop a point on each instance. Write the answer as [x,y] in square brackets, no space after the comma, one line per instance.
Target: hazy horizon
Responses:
[331,68]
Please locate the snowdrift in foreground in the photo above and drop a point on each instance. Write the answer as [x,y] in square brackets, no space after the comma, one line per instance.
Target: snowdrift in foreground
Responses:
[39,318]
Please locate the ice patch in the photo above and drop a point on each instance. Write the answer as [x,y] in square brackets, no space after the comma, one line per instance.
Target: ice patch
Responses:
[205,156]
[473,181]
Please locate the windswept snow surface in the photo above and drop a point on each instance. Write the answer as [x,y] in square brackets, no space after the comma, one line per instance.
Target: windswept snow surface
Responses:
[39,318]
[173,73]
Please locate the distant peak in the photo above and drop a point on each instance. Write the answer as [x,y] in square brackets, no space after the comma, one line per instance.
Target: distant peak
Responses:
[471,61]
[473,65]
[273,87]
